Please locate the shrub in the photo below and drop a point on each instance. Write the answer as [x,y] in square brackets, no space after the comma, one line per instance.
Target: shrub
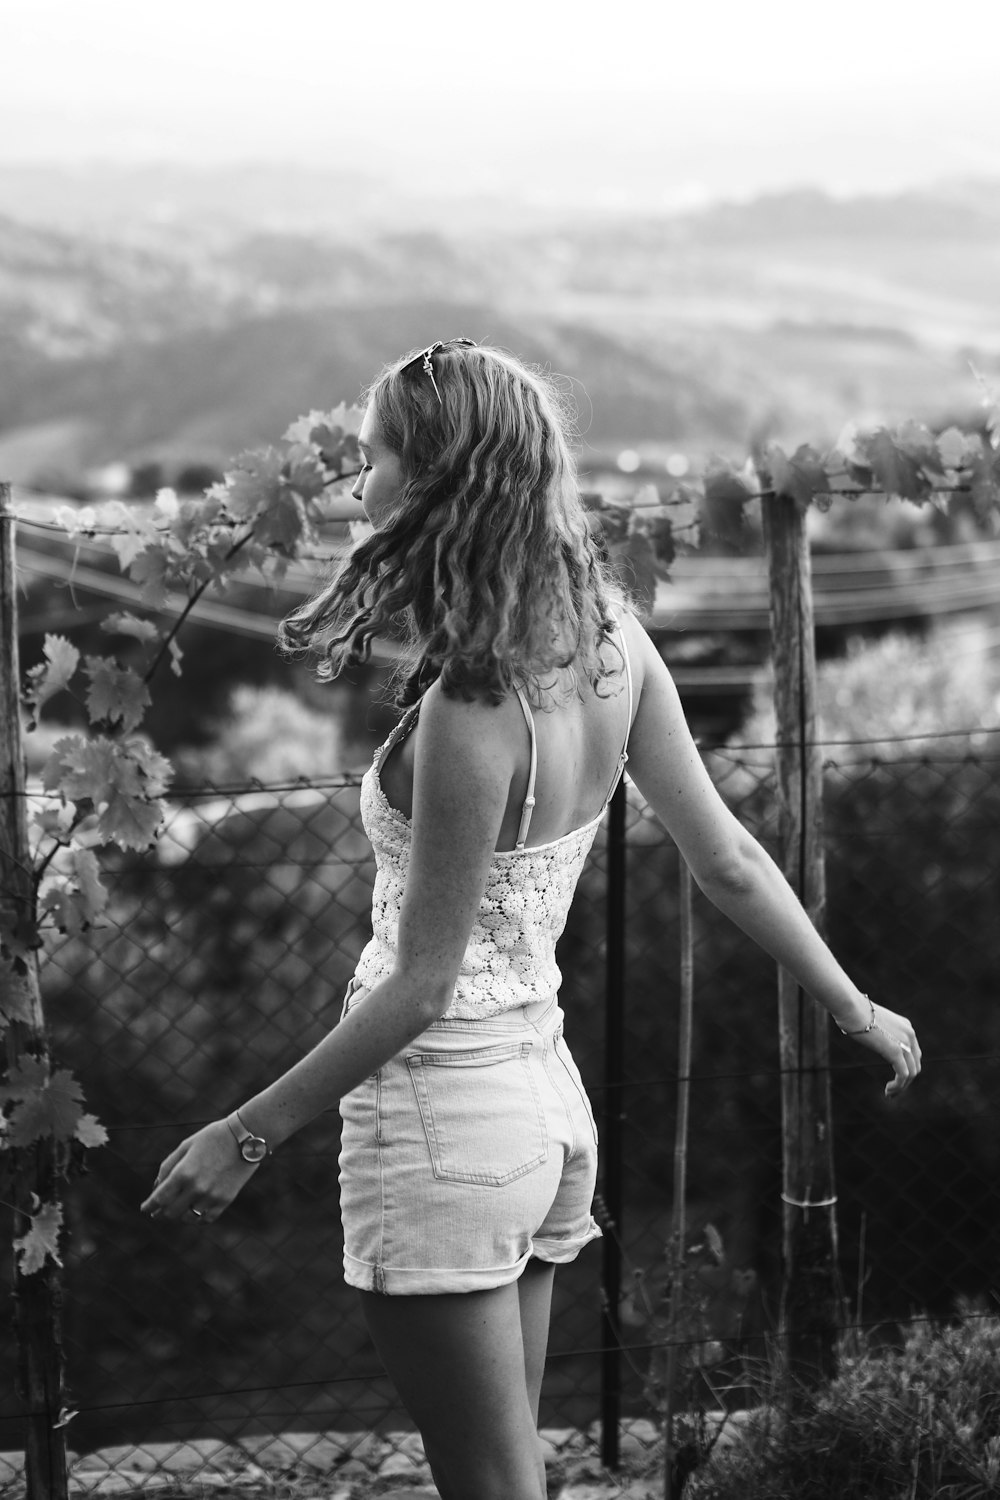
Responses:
[922,1421]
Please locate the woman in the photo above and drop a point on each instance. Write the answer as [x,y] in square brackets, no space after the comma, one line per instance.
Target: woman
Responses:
[469,1153]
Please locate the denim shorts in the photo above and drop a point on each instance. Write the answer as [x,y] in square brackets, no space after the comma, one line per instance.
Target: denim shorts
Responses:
[468,1153]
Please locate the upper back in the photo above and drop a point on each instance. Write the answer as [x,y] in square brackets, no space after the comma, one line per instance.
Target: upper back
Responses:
[579,739]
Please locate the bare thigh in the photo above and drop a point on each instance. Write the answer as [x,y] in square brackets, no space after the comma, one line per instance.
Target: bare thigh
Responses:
[462,1367]
[534,1290]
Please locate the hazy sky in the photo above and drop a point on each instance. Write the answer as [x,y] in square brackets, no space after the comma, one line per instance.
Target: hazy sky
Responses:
[679,101]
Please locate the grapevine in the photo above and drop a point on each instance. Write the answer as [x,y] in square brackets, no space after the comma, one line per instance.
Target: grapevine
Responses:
[108,785]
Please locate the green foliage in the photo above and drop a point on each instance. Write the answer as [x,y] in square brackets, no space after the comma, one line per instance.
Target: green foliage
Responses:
[38,1103]
[696,1301]
[51,676]
[121,780]
[41,1242]
[109,786]
[888,695]
[270,735]
[72,889]
[922,1421]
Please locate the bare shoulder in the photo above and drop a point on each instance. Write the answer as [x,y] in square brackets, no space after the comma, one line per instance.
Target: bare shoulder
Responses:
[641,650]
[465,747]
[650,674]
[467,726]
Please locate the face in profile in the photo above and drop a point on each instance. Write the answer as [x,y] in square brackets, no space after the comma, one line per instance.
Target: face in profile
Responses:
[379,484]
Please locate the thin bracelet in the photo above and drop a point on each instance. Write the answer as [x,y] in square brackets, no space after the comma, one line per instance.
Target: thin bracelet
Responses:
[872,1024]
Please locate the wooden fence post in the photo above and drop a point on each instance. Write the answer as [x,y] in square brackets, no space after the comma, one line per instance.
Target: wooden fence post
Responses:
[811,1303]
[32,1172]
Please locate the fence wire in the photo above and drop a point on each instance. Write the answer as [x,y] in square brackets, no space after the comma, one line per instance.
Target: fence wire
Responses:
[225,955]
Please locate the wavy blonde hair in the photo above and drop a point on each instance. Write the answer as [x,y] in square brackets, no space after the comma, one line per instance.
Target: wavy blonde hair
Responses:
[486,568]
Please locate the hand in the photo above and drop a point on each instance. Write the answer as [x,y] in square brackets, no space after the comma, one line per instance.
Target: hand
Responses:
[893,1038]
[200,1177]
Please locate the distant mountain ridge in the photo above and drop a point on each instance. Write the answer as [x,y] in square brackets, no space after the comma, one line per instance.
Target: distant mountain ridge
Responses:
[204,395]
[128,200]
[187,338]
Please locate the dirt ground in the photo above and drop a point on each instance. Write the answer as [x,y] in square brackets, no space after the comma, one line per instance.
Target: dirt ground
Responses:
[344,1466]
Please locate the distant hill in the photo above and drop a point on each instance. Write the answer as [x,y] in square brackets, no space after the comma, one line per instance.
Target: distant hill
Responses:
[952,211]
[204,395]
[155,201]
[64,294]
[164,313]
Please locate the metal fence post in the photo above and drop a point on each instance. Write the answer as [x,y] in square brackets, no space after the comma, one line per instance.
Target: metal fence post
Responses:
[672,1482]
[614,1062]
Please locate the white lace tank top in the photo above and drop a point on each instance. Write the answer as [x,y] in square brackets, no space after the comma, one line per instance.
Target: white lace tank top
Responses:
[510,959]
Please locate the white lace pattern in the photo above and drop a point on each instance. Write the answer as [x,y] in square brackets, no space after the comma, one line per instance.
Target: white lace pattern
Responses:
[510,959]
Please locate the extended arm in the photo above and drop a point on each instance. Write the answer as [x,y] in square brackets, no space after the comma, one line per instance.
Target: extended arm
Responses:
[736,873]
[462,774]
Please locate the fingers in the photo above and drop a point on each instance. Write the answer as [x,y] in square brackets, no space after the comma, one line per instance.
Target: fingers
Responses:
[180,1201]
[176,1193]
[169,1162]
[905,1056]
[894,1039]
[199,1179]
[902,1074]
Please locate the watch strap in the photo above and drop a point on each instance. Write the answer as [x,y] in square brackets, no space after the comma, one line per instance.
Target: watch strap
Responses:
[241,1134]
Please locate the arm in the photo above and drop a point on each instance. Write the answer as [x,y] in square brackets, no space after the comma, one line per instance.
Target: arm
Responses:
[736,873]
[462,773]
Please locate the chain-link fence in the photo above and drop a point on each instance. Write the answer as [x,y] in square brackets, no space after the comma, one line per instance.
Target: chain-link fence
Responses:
[225,956]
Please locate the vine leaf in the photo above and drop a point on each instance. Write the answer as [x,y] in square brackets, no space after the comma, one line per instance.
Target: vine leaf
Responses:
[124,780]
[324,429]
[254,483]
[149,571]
[134,531]
[55,821]
[90,1132]
[896,469]
[916,440]
[685,511]
[126,623]
[75,893]
[984,478]
[38,1104]
[801,477]
[116,694]
[18,941]
[285,523]
[167,507]
[726,493]
[951,447]
[41,1241]
[303,428]
[52,675]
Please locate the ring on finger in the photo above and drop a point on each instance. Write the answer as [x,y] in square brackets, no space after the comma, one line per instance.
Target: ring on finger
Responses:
[197,1213]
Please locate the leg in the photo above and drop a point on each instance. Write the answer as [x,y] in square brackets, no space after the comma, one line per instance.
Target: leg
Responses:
[534,1292]
[458,1363]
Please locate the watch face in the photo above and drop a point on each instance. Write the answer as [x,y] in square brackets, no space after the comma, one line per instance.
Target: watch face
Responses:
[254,1148]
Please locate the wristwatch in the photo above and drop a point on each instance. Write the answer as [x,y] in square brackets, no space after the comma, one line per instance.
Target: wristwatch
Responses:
[253,1148]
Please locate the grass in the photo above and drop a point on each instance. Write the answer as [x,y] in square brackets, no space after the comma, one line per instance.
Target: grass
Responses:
[921,1422]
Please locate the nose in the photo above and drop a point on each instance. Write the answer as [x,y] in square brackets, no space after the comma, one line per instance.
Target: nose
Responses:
[359,486]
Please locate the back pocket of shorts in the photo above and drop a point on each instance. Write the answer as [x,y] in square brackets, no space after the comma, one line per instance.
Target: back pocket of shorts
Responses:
[481,1113]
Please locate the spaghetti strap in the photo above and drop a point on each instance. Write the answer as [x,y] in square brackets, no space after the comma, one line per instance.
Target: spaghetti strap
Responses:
[623,758]
[529,801]
[401,730]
